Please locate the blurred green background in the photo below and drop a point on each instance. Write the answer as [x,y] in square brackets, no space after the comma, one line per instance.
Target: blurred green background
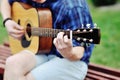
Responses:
[108,20]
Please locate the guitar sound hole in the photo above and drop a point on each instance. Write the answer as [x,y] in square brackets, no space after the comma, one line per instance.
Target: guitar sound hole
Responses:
[28,30]
[25,43]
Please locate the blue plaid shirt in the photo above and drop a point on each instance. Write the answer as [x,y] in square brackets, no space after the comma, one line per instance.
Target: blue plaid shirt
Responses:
[67,14]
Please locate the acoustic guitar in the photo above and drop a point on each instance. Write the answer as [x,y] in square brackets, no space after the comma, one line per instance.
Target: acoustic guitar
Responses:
[38,35]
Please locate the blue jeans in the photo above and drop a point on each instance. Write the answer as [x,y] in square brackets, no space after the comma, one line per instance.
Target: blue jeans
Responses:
[54,68]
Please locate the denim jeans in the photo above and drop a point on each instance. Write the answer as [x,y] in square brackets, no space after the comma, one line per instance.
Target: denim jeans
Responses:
[54,68]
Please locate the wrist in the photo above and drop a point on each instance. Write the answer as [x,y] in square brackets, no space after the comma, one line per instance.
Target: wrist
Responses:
[76,53]
[69,54]
[5,20]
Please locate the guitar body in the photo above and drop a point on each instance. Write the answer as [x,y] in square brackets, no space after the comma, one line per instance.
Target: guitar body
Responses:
[45,21]
[29,17]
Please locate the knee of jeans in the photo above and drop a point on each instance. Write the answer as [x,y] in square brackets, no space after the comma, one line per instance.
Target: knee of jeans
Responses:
[10,61]
[12,64]
[11,67]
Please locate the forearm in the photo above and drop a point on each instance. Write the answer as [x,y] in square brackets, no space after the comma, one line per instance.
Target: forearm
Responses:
[76,54]
[5,9]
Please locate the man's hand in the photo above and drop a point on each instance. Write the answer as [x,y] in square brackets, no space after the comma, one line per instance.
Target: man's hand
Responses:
[63,45]
[14,30]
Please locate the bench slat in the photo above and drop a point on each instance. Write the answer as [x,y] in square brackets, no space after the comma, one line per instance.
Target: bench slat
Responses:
[102,74]
[104,69]
[95,77]
[87,78]
[1,71]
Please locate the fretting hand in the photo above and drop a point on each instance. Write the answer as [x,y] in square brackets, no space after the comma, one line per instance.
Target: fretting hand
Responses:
[63,45]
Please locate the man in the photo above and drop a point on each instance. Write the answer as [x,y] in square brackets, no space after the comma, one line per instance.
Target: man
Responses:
[68,59]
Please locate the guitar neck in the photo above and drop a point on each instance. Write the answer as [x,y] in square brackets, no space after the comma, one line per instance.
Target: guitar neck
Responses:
[48,32]
[80,35]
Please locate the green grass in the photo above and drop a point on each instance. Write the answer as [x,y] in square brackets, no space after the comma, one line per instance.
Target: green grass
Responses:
[3,33]
[108,52]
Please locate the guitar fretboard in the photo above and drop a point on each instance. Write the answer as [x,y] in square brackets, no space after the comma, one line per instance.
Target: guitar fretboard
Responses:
[47,32]
[81,35]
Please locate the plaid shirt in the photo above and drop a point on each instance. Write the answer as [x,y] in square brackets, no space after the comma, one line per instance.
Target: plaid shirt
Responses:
[67,14]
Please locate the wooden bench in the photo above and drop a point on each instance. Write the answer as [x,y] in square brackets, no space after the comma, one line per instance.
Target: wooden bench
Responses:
[95,72]
[4,54]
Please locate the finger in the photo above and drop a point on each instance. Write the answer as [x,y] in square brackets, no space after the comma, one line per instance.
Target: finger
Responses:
[17,32]
[55,42]
[16,36]
[60,38]
[60,35]
[67,40]
[58,45]
[18,27]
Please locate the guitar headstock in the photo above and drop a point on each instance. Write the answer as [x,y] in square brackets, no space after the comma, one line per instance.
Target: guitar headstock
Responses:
[87,35]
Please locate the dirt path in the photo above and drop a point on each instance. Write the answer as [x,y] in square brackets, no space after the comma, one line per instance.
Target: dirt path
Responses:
[115,7]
